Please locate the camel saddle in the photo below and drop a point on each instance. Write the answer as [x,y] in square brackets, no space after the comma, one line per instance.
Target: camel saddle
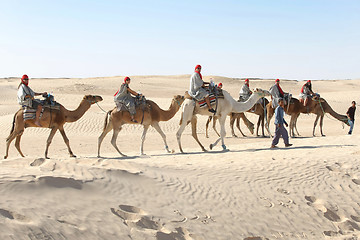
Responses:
[140,103]
[30,113]
[212,96]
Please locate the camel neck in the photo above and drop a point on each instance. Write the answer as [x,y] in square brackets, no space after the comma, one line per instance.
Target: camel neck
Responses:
[72,116]
[325,107]
[166,115]
[245,106]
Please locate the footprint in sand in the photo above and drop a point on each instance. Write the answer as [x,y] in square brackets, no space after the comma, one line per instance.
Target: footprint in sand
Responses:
[355,218]
[37,162]
[332,216]
[347,227]
[13,215]
[333,169]
[281,190]
[356,181]
[180,233]
[316,203]
[135,217]
[128,213]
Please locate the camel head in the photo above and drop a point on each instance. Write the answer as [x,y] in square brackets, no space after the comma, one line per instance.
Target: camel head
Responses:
[178,99]
[261,92]
[92,98]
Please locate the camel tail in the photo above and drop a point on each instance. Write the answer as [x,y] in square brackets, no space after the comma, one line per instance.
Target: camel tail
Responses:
[106,119]
[13,125]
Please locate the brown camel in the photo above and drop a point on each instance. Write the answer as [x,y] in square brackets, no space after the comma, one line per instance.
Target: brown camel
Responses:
[258,109]
[53,119]
[247,122]
[146,118]
[316,105]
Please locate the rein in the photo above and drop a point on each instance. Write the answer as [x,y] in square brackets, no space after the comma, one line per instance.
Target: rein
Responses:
[98,106]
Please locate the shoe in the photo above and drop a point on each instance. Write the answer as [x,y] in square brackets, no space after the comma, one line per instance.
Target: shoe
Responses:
[212,110]
[288,145]
[273,146]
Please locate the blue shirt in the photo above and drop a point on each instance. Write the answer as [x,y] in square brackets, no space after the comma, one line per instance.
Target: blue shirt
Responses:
[279,116]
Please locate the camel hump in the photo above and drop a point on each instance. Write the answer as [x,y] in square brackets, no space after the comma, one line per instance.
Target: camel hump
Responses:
[187,96]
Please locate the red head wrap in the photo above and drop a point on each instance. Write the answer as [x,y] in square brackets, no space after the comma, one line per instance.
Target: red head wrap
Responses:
[247,81]
[198,66]
[277,80]
[25,77]
[126,78]
[220,85]
[308,81]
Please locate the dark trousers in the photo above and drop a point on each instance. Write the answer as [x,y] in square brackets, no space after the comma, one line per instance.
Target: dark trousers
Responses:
[280,132]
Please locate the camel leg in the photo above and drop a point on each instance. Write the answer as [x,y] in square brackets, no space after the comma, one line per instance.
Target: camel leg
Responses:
[113,140]
[258,125]
[48,142]
[315,123]
[295,125]
[232,120]
[66,140]
[261,117]
[222,133]
[188,110]
[194,134]
[107,129]
[321,125]
[143,136]
[207,126]
[247,122]
[17,144]
[162,134]
[9,139]
[291,125]
[268,116]
[214,126]
[238,126]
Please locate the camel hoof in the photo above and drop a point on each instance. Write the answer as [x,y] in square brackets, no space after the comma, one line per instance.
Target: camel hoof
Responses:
[5,157]
[323,135]
[235,135]
[211,146]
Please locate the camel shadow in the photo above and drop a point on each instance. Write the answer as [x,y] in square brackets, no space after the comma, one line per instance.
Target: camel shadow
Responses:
[293,147]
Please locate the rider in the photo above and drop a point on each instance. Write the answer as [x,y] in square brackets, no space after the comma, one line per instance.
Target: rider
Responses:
[197,88]
[25,96]
[245,92]
[123,95]
[306,92]
[277,93]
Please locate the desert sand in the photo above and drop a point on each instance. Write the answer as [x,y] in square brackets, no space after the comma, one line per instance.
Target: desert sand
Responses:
[308,191]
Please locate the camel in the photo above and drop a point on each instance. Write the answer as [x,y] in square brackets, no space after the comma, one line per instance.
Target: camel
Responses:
[146,118]
[316,105]
[247,122]
[225,106]
[53,119]
[258,109]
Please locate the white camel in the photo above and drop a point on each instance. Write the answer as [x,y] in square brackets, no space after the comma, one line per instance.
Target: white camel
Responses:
[225,106]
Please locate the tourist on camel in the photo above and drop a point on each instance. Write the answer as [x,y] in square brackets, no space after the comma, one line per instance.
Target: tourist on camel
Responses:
[306,92]
[25,96]
[123,96]
[245,92]
[197,88]
[277,93]
[351,116]
[280,130]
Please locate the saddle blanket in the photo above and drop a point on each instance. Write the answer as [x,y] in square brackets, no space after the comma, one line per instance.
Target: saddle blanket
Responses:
[30,113]
[121,107]
[212,99]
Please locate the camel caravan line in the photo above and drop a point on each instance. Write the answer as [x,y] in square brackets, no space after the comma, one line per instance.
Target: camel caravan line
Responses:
[147,113]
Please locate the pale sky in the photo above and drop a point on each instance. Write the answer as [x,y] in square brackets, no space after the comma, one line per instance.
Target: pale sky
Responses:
[292,39]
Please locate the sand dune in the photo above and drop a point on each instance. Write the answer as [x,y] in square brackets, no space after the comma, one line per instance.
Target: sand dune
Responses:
[309,191]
